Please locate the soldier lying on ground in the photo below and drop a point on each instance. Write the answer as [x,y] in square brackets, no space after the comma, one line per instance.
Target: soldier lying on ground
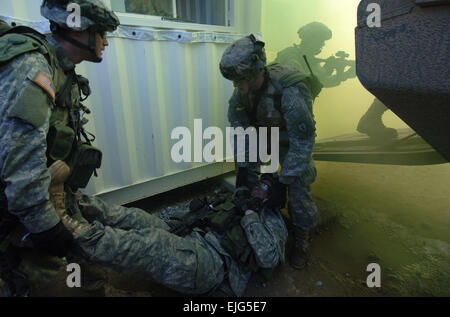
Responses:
[210,246]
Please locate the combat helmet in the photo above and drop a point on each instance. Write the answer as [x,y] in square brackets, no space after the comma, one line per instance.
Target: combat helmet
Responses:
[316,30]
[94,16]
[243,59]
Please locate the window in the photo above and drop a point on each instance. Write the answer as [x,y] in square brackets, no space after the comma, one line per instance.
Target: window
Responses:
[208,12]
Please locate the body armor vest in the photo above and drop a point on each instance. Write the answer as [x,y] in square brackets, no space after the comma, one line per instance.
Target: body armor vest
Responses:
[265,108]
[222,217]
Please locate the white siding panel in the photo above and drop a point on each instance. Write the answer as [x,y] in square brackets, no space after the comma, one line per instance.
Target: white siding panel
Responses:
[137,103]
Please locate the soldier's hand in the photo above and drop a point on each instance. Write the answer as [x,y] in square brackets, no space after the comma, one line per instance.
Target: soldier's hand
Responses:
[57,241]
[261,191]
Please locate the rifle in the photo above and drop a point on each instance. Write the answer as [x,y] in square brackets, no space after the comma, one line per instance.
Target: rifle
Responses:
[221,214]
[200,211]
[339,62]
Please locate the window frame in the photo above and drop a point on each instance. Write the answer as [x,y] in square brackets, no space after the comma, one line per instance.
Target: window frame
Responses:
[142,20]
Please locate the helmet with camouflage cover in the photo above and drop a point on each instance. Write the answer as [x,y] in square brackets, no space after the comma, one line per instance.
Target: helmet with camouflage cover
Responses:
[94,15]
[316,30]
[243,59]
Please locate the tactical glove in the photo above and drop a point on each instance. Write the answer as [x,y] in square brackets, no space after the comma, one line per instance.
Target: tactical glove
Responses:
[56,241]
[261,191]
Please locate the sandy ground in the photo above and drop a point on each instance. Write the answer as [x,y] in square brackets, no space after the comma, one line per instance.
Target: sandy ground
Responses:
[397,217]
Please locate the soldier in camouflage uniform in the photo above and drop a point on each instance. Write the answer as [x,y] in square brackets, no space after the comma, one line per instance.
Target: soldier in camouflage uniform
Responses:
[331,73]
[44,162]
[41,116]
[201,260]
[313,36]
[276,96]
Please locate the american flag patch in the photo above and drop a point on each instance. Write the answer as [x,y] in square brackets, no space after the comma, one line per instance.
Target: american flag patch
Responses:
[45,83]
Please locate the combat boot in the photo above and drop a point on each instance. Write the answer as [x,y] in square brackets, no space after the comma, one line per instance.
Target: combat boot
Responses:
[299,255]
[75,227]
[371,123]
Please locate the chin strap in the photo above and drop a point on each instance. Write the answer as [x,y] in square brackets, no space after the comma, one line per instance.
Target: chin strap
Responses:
[92,41]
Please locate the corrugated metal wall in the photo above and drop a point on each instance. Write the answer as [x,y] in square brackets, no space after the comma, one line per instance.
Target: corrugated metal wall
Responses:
[141,91]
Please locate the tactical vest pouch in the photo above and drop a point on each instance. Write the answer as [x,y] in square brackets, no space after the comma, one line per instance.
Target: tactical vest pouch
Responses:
[311,81]
[60,141]
[13,45]
[292,78]
[236,244]
[86,160]
[221,220]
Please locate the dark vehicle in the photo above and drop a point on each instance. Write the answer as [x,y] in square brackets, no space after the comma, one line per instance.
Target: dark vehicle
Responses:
[405,63]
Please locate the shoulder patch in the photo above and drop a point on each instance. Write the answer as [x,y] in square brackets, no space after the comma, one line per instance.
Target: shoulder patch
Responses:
[45,83]
[32,106]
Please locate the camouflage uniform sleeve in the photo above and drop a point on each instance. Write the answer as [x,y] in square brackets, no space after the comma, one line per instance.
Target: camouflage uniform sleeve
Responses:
[296,105]
[267,234]
[237,115]
[24,125]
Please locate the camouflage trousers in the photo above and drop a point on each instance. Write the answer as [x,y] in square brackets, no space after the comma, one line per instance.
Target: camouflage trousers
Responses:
[302,209]
[133,241]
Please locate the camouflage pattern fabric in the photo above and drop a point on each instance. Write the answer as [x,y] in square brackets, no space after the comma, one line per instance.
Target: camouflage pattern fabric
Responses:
[23,141]
[297,165]
[127,239]
[94,13]
[133,241]
[28,108]
[301,208]
[243,59]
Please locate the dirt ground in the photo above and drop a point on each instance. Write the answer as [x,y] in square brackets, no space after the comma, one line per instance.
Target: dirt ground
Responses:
[342,247]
